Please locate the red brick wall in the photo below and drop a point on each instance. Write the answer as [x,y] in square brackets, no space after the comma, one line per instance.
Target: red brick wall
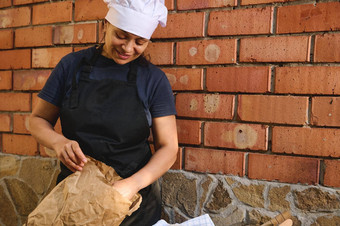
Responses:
[257,83]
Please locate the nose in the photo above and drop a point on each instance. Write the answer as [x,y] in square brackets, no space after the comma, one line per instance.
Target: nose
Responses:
[128,46]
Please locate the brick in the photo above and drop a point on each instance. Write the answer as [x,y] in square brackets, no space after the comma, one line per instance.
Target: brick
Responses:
[48,57]
[184,78]
[238,79]
[306,141]
[307,80]
[30,80]
[34,100]
[218,51]
[327,48]
[23,2]
[189,131]
[253,2]
[273,109]
[275,49]
[161,53]
[20,123]
[287,169]
[236,135]
[6,39]
[170,4]
[203,4]
[182,25]
[19,144]
[52,12]
[79,33]
[332,169]
[5,80]
[15,102]
[5,122]
[33,36]
[5,3]
[15,59]
[78,48]
[240,22]
[308,18]
[83,10]
[217,106]
[214,161]
[15,17]
[178,163]
[325,111]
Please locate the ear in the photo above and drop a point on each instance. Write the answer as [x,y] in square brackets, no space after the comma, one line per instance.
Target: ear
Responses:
[104,24]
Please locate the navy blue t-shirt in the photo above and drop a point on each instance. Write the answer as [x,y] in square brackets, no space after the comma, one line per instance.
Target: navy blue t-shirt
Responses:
[153,87]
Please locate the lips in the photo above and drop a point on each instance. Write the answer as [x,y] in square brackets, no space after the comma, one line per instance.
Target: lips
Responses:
[123,56]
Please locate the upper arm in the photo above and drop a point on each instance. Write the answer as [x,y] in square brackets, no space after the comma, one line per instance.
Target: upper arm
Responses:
[46,110]
[164,132]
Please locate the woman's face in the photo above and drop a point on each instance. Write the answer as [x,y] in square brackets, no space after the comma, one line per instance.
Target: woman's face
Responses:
[121,46]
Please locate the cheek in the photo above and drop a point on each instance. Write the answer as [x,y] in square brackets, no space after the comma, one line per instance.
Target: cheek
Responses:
[140,49]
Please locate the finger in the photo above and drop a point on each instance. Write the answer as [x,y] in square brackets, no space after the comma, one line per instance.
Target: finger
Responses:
[62,159]
[70,163]
[78,152]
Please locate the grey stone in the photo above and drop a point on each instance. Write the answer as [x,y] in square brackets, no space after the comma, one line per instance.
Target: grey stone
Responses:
[277,197]
[314,199]
[179,191]
[220,199]
[7,211]
[9,165]
[38,173]
[251,195]
[24,198]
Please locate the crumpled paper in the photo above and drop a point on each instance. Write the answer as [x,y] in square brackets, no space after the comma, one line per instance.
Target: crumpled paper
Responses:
[203,220]
[85,198]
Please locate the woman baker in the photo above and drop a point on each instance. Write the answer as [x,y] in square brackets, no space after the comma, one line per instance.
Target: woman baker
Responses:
[107,98]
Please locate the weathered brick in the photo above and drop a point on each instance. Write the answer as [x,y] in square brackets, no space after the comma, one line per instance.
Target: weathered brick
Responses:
[83,10]
[30,80]
[306,141]
[178,163]
[325,111]
[78,48]
[34,100]
[170,4]
[15,17]
[48,57]
[307,80]
[214,161]
[287,169]
[275,49]
[5,80]
[15,59]
[308,18]
[238,79]
[273,109]
[161,53]
[52,12]
[5,122]
[182,25]
[15,102]
[332,169]
[241,21]
[33,36]
[6,39]
[23,2]
[218,51]
[327,48]
[203,4]
[189,131]
[184,78]
[79,33]
[19,144]
[20,123]
[5,3]
[205,105]
[253,2]
[236,135]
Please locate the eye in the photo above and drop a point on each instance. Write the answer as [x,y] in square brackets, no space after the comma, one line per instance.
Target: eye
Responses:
[120,35]
[140,42]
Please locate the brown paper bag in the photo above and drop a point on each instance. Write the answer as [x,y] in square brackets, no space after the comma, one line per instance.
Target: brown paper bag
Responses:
[85,198]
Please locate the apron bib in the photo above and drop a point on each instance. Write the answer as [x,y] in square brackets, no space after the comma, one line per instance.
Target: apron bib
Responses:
[107,118]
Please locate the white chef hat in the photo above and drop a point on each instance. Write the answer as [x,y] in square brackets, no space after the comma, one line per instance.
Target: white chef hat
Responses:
[139,17]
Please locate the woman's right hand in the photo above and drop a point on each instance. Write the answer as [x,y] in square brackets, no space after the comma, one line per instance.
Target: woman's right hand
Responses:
[70,154]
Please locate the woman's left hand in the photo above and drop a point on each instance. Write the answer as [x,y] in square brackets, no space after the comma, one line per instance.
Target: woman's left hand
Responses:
[126,187]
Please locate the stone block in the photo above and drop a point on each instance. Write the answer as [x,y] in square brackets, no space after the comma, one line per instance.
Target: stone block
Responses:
[235,218]
[9,165]
[277,197]
[328,220]
[205,189]
[250,194]
[220,199]
[7,211]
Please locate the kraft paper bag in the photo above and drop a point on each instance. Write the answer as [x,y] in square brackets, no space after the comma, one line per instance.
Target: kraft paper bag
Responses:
[85,198]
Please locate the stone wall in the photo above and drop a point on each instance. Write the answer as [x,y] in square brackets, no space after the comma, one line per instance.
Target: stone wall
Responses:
[229,200]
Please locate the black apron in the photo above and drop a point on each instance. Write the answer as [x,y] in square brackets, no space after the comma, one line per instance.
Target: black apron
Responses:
[107,118]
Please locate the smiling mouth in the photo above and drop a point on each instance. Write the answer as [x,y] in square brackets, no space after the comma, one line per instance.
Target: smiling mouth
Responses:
[123,56]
